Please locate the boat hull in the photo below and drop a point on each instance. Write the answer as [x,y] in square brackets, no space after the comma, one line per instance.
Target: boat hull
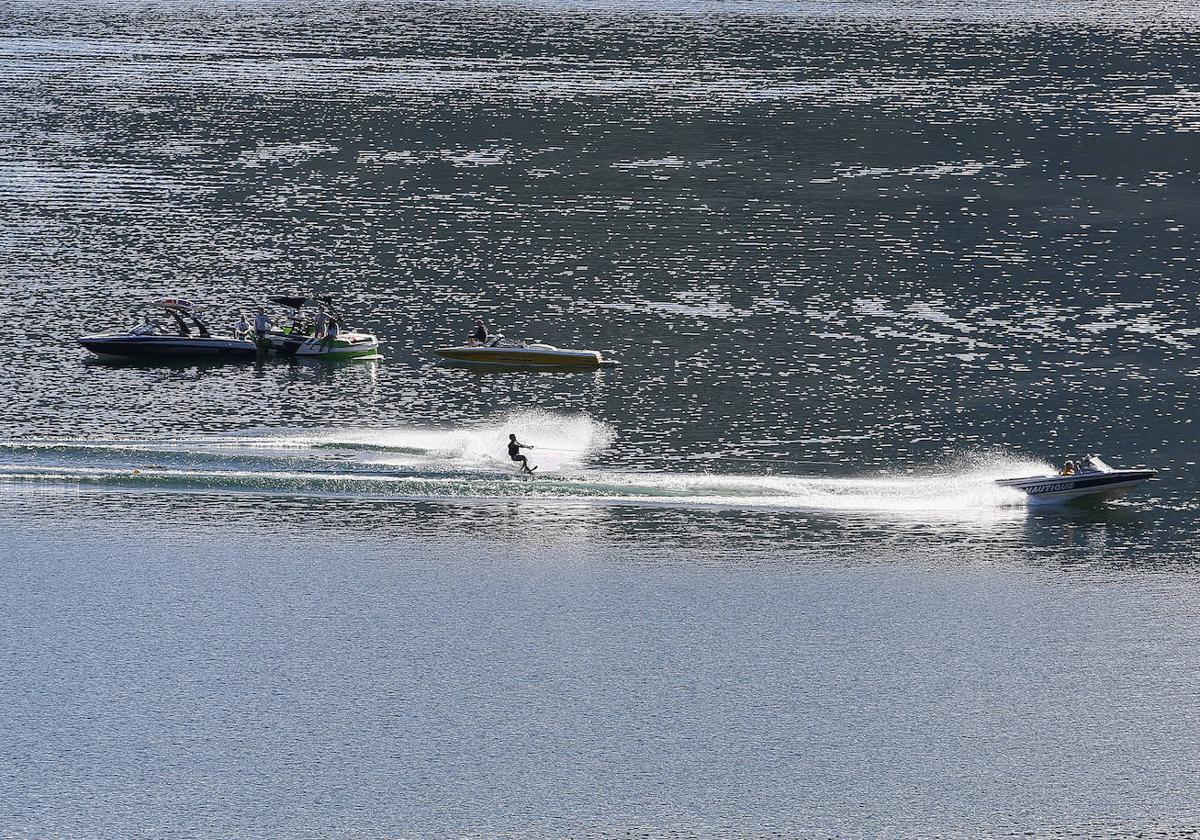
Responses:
[346,346]
[168,348]
[523,357]
[1056,489]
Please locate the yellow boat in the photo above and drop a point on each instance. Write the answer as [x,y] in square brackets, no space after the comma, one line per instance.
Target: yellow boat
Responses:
[500,352]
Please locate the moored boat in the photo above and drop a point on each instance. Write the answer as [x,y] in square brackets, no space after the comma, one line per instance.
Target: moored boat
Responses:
[501,352]
[188,338]
[1093,479]
[323,337]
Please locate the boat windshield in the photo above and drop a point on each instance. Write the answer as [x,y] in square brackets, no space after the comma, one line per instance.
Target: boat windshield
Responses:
[498,340]
[1094,464]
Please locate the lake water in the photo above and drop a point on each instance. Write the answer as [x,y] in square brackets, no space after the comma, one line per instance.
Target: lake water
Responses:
[857,260]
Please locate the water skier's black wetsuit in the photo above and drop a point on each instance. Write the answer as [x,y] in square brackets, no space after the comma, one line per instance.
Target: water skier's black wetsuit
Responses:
[514,452]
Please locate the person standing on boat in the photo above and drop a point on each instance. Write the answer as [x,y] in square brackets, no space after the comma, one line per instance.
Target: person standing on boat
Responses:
[333,329]
[261,324]
[479,335]
[321,324]
[514,453]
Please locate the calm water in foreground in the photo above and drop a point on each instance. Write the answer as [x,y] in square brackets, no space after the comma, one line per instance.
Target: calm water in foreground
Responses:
[857,260]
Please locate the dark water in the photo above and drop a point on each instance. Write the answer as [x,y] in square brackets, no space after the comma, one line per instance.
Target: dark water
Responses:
[857,260]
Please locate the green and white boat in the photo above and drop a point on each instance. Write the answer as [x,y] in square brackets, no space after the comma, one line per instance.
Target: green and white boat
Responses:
[315,331]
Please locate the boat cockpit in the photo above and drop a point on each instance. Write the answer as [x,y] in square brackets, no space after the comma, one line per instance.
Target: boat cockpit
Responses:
[1087,465]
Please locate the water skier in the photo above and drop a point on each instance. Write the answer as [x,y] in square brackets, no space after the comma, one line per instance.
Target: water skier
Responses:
[514,452]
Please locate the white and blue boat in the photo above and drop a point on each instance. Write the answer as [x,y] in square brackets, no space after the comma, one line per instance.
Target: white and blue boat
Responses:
[1092,480]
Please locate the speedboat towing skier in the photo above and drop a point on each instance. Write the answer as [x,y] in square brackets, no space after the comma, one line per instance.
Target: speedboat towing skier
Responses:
[1091,478]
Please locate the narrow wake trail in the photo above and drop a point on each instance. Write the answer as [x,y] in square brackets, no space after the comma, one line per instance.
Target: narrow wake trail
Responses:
[469,463]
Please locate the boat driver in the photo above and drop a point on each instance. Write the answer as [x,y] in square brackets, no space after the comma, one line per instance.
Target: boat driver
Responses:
[479,336]
[1068,468]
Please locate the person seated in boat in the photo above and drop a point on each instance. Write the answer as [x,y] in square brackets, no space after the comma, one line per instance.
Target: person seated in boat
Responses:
[241,330]
[479,335]
[1068,468]
[148,327]
[514,453]
[261,323]
[333,329]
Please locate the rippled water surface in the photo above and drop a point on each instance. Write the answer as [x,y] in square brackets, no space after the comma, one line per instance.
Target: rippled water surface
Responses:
[857,260]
